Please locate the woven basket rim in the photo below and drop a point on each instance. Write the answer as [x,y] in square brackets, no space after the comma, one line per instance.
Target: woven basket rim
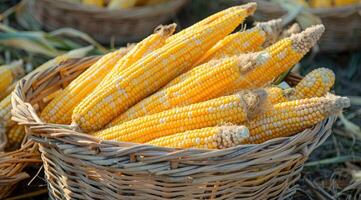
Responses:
[341,11]
[97,12]
[24,114]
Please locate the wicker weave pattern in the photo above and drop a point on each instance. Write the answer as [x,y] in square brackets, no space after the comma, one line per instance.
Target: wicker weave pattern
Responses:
[79,166]
[103,24]
[343,24]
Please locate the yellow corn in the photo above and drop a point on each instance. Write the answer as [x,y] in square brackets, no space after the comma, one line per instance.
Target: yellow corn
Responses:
[5,112]
[345,2]
[98,3]
[8,73]
[52,96]
[143,48]
[291,117]
[225,76]
[251,7]
[235,109]
[277,95]
[59,110]
[217,137]
[315,84]
[279,58]
[15,136]
[151,72]
[266,65]
[8,90]
[242,42]
[321,3]
[211,81]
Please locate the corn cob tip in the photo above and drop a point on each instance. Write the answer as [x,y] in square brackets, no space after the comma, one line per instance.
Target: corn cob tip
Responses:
[254,101]
[271,29]
[304,41]
[166,30]
[336,104]
[230,136]
[249,7]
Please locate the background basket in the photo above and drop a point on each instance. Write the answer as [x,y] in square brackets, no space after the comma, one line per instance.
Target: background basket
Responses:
[122,25]
[79,166]
[343,24]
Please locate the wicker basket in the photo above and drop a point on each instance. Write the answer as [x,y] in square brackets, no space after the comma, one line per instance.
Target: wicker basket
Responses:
[13,164]
[343,24]
[104,25]
[79,166]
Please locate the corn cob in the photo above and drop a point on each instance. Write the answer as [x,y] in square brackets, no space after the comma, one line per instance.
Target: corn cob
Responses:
[211,81]
[15,136]
[315,84]
[218,78]
[5,112]
[217,137]
[235,109]
[59,110]
[251,7]
[152,72]
[279,58]
[8,73]
[5,104]
[291,117]
[242,42]
[98,3]
[143,48]
[276,59]
[52,96]
[8,90]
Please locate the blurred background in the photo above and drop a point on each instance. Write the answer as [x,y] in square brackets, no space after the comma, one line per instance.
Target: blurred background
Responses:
[35,31]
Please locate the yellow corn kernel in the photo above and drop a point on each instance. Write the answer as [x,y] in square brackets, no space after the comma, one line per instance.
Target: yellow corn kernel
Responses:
[217,137]
[291,117]
[242,42]
[5,112]
[52,96]
[235,109]
[15,136]
[60,109]
[8,73]
[277,95]
[315,84]
[150,73]
[250,8]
